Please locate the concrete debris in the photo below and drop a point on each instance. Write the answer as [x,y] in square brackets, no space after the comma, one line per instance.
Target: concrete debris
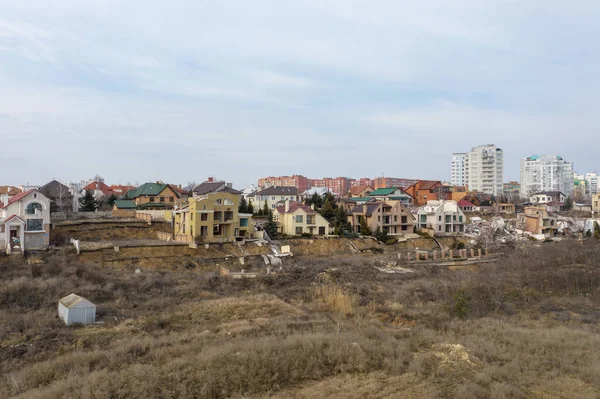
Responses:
[275,261]
[265,259]
[391,267]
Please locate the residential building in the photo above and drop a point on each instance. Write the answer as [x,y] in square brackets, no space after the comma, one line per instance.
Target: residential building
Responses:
[320,191]
[426,190]
[441,217]
[596,202]
[363,181]
[273,195]
[504,208]
[390,216]
[467,206]
[546,173]
[511,188]
[548,197]
[535,219]
[62,198]
[337,185]
[25,221]
[484,169]
[294,218]
[347,203]
[459,173]
[212,217]
[99,189]
[213,186]
[385,182]
[393,194]
[592,180]
[10,191]
[120,190]
[154,196]
[360,191]
[302,183]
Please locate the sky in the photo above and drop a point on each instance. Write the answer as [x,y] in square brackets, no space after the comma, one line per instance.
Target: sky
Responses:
[151,90]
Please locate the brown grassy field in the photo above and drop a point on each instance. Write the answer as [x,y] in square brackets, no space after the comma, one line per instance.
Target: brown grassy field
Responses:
[526,326]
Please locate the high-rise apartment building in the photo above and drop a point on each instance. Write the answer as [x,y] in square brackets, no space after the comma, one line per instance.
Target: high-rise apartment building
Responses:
[482,169]
[300,182]
[387,182]
[337,185]
[459,176]
[546,173]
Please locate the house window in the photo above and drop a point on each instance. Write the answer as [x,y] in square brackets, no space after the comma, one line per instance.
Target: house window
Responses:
[203,231]
[272,198]
[35,225]
[404,219]
[243,222]
[171,199]
[460,219]
[282,197]
[299,230]
[31,208]
[299,219]
[151,199]
[204,217]
[440,218]
[162,199]
[191,216]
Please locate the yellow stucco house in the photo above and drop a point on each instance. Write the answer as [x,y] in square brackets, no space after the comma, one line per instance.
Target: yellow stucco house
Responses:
[212,217]
[295,218]
[596,202]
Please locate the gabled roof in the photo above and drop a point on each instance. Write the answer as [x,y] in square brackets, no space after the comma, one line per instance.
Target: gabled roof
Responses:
[549,193]
[98,186]
[355,190]
[281,190]
[55,189]
[125,204]
[294,206]
[464,203]
[10,190]
[428,184]
[367,208]
[214,186]
[73,300]
[148,189]
[17,197]
[13,217]
[384,191]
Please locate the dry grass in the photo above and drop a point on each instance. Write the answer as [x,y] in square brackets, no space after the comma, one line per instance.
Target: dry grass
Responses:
[328,327]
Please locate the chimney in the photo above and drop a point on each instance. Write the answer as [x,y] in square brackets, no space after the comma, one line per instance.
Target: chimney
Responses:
[210,179]
[287,205]
[4,198]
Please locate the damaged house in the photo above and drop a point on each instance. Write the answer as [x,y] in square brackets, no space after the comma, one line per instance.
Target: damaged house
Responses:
[536,220]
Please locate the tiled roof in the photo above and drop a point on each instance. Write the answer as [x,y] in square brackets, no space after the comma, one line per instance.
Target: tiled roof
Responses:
[148,189]
[464,203]
[355,190]
[10,190]
[125,204]
[367,208]
[294,206]
[428,184]
[282,190]
[18,197]
[383,191]
[99,186]
[11,217]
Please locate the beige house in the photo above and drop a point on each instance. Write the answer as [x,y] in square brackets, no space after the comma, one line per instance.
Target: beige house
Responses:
[295,218]
[535,219]
[360,191]
[596,202]
[390,216]
[212,217]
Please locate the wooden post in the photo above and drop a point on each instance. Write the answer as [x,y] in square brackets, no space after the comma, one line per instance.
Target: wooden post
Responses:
[479,252]
[426,255]
[434,255]
[486,252]
[472,253]
[450,254]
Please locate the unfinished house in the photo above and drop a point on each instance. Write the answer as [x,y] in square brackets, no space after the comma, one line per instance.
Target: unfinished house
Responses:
[24,222]
[441,216]
[390,216]
[535,220]
[295,218]
[213,217]
[61,197]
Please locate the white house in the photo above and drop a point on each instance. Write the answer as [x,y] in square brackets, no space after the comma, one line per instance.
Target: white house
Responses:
[76,309]
[547,197]
[25,221]
[441,216]
[273,195]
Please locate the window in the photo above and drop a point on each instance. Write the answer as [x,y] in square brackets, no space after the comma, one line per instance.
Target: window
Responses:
[440,218]
[171,199]
[31,208]
[298,230]
[460,219]
[299,219]
[204,217]
[191,216]
[404,219]
[243,222]
[162,199]
[203,231]
[272,198]
[151,199]
[35,225]
[282,197]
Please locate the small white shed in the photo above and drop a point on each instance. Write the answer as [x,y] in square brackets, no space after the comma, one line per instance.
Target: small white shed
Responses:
[76,309]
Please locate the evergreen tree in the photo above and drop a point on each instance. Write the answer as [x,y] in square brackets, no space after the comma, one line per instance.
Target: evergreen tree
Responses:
[327,211]
[266,210]
[597,230]
[243,207]
[329,197]
[250,208]
[111,200]
[88,202]
[270,227]
[364,227]
[568,203]
[381,235]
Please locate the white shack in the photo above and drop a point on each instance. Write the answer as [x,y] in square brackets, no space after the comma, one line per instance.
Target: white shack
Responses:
[76,309]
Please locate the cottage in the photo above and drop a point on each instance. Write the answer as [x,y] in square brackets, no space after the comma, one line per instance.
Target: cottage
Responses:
[25,221]
[273,195]
[535,219]
[393,194]
[74,309]
[389,216]
[360,191]
[154,196]
[441,216]
[295,218]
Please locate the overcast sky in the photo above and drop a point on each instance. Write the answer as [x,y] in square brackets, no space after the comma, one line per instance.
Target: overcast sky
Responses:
[146,90]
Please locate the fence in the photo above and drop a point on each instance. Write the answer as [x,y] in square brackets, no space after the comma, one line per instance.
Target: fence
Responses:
[184,238]
[157,216]
[445,254]
[62,216]
[164,236]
